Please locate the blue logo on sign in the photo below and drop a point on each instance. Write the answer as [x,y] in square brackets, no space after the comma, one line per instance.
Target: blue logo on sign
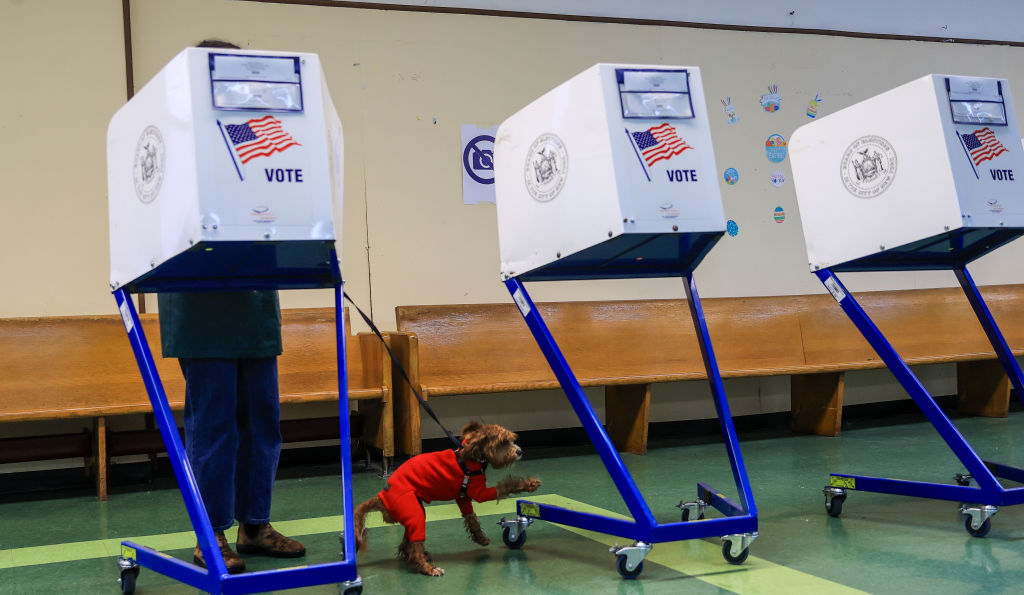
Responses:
[478,159]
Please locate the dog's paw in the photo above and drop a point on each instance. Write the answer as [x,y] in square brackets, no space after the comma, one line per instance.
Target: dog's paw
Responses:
[435,571]
[531,484]
[481,540]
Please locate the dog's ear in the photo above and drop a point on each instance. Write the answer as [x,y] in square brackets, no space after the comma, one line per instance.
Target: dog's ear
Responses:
[471,427]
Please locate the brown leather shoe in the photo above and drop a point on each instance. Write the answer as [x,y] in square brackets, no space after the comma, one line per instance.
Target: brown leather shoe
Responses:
[268,542]
[234,563]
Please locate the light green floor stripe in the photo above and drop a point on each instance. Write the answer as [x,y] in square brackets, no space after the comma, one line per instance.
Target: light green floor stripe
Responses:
[102,548]
[703,560]
[695,557]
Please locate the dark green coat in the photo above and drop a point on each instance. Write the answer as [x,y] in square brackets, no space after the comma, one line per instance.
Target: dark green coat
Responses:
[228,324]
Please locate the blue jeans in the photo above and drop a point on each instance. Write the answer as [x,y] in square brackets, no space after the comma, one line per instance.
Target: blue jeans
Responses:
[233,435]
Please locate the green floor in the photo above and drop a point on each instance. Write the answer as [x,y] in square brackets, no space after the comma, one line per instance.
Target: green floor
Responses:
[880,544]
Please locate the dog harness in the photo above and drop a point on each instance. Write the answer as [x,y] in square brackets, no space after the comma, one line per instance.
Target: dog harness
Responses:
[466,473]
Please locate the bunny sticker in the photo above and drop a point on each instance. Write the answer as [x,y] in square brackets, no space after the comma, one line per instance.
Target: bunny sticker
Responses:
[730,111]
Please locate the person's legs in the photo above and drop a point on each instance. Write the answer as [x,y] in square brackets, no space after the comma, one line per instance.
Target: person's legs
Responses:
[211,440]
[259,448]
[259,426]
[211,434]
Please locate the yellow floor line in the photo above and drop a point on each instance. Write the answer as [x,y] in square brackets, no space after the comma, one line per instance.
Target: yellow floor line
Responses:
[696,557]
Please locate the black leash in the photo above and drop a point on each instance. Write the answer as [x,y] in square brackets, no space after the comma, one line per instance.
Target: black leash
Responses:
[396,363]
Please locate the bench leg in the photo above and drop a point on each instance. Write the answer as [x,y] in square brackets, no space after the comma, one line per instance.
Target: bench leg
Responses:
[405,406]
[816,403]
[982,388]
[99,450]
[627,409]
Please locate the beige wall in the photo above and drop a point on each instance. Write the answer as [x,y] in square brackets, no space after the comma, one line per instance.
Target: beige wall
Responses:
[403,83]
[61,79]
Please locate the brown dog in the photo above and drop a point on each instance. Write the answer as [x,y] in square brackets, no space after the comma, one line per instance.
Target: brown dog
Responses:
[445,475]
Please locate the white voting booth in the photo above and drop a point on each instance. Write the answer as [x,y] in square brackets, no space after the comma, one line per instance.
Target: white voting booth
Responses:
[925,176]
[889,181]
[612,175]
[225,173]
[221,153]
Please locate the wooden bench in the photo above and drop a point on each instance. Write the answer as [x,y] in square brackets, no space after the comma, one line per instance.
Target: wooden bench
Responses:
[81,367]
[625,346]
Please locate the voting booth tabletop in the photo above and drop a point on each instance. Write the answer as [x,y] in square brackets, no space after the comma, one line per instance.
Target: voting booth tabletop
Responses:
[881,544]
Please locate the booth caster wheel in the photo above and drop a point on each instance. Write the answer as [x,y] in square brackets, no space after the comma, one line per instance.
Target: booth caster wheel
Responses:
[352,587]
[621,563]
[513,532]
[979,518]
[834,498]
[980,531]
[128,577]
[686,515]
[834,507]
[727,554]
[629,559]
[692,510]
[736,547]
[516,543]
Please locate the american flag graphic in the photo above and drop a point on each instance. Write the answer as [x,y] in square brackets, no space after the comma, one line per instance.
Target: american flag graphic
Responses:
[983,145]
[259,137]
[659,142]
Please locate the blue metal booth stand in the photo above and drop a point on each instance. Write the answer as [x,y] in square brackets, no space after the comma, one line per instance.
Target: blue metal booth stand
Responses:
[247,261]
[979,491]
[666,255]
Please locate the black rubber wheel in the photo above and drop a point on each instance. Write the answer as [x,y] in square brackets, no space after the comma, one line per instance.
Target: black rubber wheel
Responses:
[518,543]
[128,577]
[983,531]
[727,554]
[353,590]
[620,564]
[835,507]
[686,515]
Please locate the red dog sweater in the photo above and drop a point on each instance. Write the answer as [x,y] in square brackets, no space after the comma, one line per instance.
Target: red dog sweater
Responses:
[428,477]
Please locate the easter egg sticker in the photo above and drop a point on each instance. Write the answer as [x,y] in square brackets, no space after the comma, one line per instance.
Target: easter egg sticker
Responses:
[731,228]
[775,148]
[731,176]
[772,101]
[812,106]
[780,214]
[778,178]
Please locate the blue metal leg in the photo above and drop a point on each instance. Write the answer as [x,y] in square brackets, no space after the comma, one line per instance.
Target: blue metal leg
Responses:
[176,453]
[739,471]
[598,436]
[989,492]
[348,528]
[992,331]
[644,528]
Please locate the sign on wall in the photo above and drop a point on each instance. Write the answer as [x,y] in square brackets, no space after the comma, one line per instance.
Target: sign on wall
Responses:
[477,164]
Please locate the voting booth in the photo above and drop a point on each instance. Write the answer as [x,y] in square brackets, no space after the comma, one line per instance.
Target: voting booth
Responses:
[225,173]
[612,175]
[925,176]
